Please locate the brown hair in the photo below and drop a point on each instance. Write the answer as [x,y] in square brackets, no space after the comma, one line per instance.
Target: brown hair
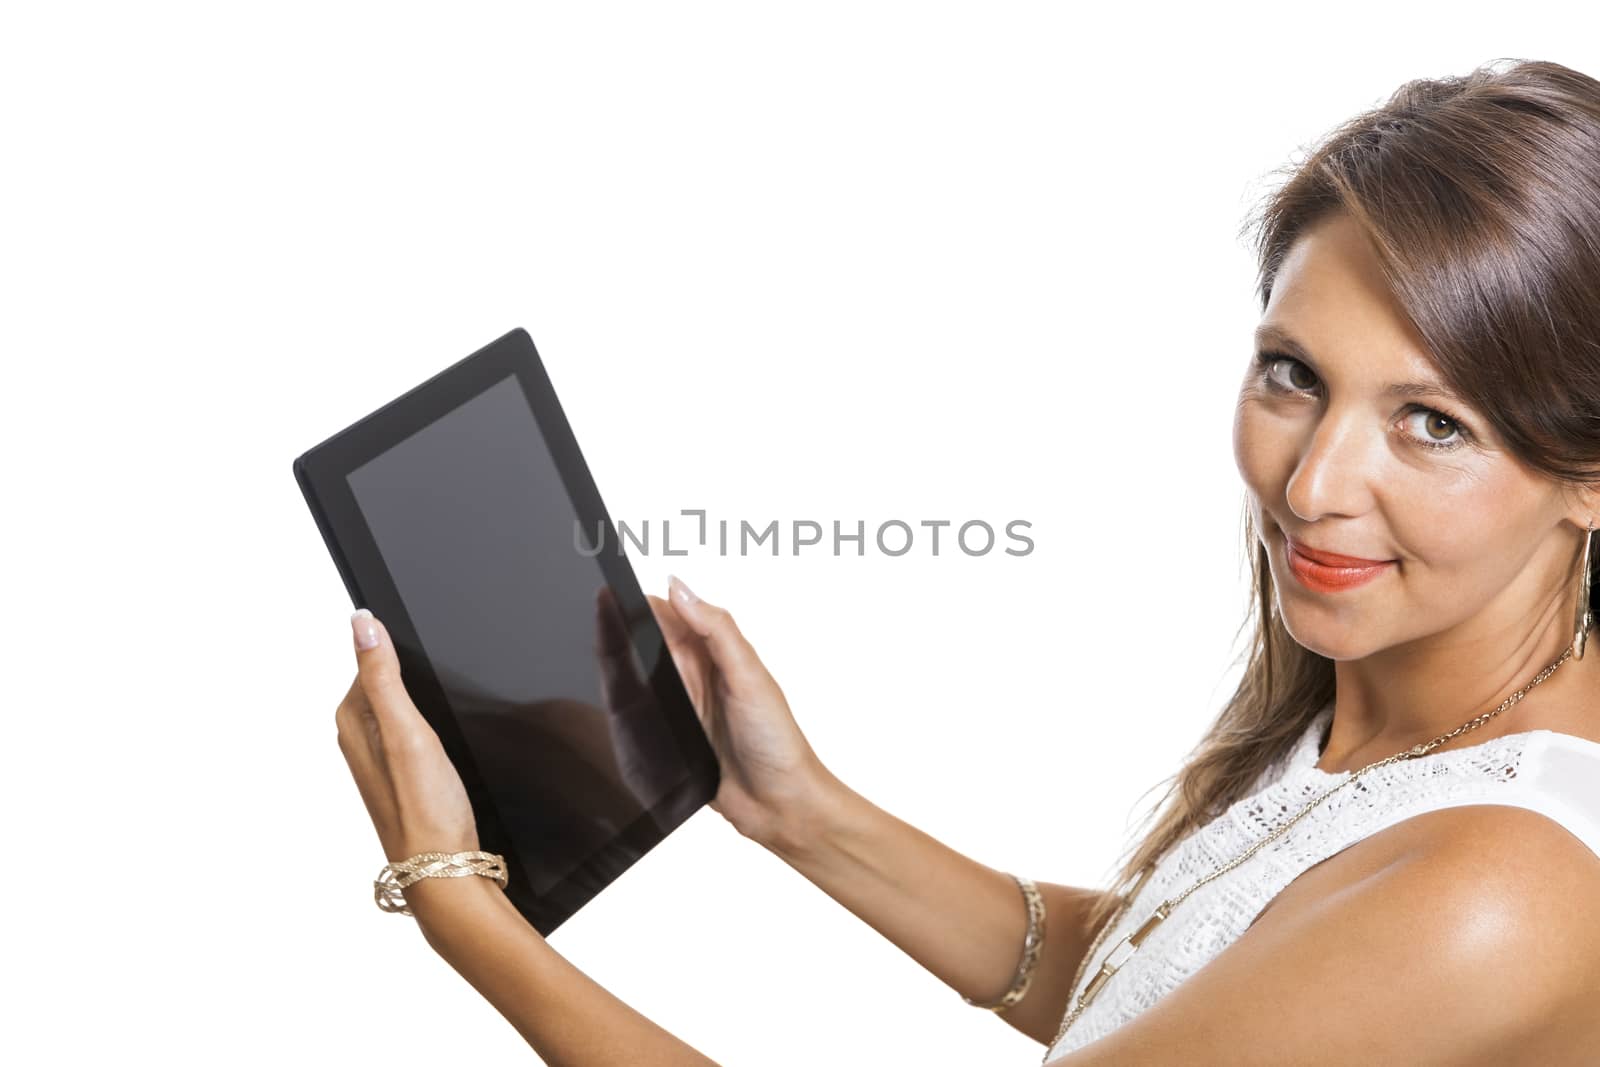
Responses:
[1481,196]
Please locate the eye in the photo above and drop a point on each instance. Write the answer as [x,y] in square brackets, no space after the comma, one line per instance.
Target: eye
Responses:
[1436,430]
[1268,361]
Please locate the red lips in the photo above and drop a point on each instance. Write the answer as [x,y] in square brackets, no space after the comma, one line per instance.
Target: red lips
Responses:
[1329,572]
[1332,559]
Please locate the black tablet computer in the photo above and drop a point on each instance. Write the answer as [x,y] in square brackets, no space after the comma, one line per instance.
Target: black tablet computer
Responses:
[463,515]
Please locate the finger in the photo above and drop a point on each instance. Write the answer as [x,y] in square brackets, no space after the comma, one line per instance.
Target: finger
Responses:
[353,693]
[688,648]
[363,754]
[378,673]
[732,653]
[673,626]
[354,733]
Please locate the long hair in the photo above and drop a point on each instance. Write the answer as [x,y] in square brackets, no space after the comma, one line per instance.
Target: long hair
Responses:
[1480,194]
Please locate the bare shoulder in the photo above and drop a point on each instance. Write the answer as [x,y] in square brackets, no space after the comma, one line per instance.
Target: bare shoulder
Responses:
[1468,935]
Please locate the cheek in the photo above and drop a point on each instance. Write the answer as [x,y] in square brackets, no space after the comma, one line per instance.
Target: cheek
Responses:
[1463,538]
[1457,530]
[1260,446]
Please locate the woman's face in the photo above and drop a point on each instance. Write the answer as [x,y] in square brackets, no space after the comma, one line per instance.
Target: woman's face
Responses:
[1337,461]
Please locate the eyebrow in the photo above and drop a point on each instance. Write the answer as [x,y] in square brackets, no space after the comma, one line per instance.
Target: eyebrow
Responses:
[1268,334]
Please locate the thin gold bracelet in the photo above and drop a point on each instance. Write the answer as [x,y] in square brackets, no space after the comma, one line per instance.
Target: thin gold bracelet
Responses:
[394,877]
[1032,945]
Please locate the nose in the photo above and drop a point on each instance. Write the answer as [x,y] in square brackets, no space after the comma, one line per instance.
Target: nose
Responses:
[1335,469]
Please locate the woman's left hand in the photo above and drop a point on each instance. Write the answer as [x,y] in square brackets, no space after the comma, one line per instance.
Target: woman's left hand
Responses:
[412,791]
[418,804]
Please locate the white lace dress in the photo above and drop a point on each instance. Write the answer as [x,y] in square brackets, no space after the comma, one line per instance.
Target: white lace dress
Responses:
[1556,774]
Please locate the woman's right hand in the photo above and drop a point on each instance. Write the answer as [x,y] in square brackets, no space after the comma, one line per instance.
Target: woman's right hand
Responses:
[772,780]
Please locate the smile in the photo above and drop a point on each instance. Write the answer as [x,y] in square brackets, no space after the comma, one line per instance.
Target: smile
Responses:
[1326,578]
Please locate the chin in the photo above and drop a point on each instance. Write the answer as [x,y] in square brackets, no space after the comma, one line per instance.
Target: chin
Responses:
[1326,635]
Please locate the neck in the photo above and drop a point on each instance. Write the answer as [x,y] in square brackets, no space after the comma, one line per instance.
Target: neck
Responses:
[1400,697]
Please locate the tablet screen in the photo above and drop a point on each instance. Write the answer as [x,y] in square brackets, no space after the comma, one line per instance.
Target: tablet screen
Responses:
[511,608]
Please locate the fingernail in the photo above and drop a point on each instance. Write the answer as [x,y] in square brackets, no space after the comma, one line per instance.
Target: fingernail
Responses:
[364,629]
[681,591]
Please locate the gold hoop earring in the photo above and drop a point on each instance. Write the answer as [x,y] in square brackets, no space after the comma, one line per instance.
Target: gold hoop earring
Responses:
[1581,626]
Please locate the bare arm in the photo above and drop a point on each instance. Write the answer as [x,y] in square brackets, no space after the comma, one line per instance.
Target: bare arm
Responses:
[418,803]
[568,1018]
[1465,936]
[960,919]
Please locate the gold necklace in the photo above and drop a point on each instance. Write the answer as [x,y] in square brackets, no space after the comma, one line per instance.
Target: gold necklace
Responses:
[1132,941]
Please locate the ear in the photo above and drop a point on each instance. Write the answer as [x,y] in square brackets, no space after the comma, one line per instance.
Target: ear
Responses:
[1583,505]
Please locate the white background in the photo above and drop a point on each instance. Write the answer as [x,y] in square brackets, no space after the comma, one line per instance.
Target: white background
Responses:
[831,261]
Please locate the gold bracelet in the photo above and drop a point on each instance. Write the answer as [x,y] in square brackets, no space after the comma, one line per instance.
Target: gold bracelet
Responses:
[396,876]
[1032,944]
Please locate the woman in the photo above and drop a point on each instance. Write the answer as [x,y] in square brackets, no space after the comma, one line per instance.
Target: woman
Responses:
[1387,847]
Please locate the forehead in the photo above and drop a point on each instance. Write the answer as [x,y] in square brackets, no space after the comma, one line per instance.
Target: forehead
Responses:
[1330,296]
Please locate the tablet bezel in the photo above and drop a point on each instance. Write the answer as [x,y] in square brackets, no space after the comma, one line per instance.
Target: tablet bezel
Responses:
[322,474]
